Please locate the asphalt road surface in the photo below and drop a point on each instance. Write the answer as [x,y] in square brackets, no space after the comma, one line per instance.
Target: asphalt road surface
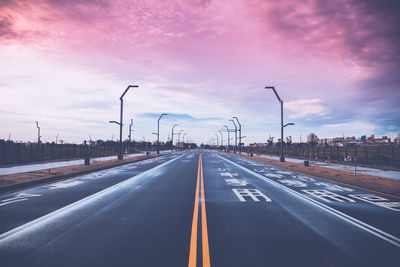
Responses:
[198,208]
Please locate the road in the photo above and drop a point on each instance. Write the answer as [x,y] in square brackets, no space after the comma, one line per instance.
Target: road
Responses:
[198,208]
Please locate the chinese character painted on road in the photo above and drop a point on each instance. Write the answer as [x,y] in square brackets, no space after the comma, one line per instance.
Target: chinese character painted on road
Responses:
[252,193]
[328,196]
[379,201]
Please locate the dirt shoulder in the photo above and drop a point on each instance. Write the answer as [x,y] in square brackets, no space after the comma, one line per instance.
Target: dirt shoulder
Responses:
[66,172]
[369,182]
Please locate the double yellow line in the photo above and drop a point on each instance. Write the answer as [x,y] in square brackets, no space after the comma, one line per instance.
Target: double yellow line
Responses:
[204,232]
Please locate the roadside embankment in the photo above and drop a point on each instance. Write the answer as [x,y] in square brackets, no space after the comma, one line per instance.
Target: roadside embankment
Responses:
[19,181]
[369,182]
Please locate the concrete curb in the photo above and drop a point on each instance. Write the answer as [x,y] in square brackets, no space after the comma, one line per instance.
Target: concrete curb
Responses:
[20,186]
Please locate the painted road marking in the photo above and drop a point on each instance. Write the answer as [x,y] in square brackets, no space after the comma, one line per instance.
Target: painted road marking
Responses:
[377,200]
[193,237]
[253,193]
[272,175]
[17,198]
[206,249]
[229,174]
[294,183]
[49,219]
[204,231]
[64,184]
[362,225]
[334,187]
[328,196]
[236,182]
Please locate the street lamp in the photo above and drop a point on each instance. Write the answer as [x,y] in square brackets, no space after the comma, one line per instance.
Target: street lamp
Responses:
[222,139]
[282,158]
[217,139]
[172,137]
[227,129]
[179,135]
[240,134]
[183,137]
[235,134]
[38,135]
[130,130]
[120,156]
[158,132]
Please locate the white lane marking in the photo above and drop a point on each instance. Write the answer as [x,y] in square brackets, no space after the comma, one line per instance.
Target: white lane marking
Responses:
[272,175]
[334,187]
[65,184]
[13,201]
[47,219]
[229,174]
[362,225]
[305,178]
[17,198]
[236,182]
[294,183]
[253,193]
[328,196]
[378,201]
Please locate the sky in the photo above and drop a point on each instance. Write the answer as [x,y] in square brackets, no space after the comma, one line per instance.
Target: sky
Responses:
[65,63]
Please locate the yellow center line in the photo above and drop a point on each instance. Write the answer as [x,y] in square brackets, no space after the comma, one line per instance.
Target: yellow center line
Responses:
[193,238]
[204,231]
[206,250]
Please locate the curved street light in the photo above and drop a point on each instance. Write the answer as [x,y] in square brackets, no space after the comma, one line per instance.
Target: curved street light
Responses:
[240,134]
[172,137]
[222,139]
[158,132]
[235,134]
[227,129]
[282,158]
[120,156]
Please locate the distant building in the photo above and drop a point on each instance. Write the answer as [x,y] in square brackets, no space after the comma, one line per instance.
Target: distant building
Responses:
[377,141]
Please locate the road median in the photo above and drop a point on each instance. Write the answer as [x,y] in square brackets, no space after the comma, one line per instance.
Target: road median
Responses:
[369,182]
[19,181]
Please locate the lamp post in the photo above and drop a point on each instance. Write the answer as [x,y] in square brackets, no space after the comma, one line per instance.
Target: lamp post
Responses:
[179,135]
[38,135]
[172,137]
[158,132]
[222,139]
[183,137]
[217,139]
[240,134]
[227,129]
[235,134]
[282,158]
[120,156]
[130,130]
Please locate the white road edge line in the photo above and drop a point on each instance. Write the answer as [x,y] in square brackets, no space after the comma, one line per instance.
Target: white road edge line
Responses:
[373,230]
[75,205]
